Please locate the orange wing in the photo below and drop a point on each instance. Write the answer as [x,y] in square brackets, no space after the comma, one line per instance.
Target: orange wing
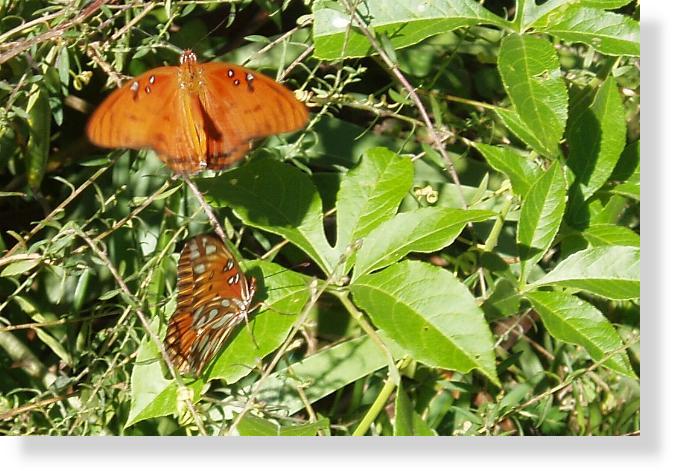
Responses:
[146,113]
[214,297]
[244,105]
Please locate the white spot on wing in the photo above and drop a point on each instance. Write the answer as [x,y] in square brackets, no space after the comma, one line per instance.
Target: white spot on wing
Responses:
[221,322]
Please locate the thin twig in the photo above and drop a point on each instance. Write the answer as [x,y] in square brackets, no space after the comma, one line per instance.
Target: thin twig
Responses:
[29,407]
[297,61]
[58,209]
[413,94]
[278,40]
[570,379]
[358,316]
[137,210]
[18,48]
[146,325]
[315,294]
[207,209]
[131,23]
[38,325]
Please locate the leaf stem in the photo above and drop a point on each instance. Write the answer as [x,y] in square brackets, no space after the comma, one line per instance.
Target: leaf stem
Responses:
[207,210]
[375,408]
[493,237]
[358,316]
[380,401]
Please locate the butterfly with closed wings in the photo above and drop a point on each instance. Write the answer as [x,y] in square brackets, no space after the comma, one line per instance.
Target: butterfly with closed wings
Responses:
[214,297]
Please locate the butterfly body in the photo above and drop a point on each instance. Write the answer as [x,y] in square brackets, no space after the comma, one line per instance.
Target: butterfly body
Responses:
[196,116]
[214,297]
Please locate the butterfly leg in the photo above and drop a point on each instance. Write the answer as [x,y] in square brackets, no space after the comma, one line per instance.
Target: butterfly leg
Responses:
[248,326]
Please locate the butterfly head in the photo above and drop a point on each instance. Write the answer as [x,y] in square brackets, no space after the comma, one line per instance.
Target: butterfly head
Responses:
[188,57]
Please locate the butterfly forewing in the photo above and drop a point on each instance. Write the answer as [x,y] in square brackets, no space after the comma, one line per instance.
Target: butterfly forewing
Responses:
[214,297]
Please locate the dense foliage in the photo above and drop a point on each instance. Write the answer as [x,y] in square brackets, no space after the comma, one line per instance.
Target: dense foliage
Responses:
[451,246]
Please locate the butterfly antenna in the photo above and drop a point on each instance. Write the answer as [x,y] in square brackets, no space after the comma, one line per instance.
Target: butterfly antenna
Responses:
[228,18]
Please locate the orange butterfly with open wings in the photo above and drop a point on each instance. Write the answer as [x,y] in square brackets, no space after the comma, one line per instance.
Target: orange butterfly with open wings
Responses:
[196,116]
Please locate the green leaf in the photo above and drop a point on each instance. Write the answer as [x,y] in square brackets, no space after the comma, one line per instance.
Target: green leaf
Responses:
[39,124]
[423,230]
[575,321]
[597,139]
[520,129]
[21,267]
[251,425]
[504,301]
[430,314]
[277,198]
[609,33]
[370,194]
[628,189]
[31,308]
[530,71]
[448,196]
[407,422]
[533,12]
[540,217]
[628,166]
[606,4]
[521,171]
[542,13]
[403,22]
[612,272]
[324,373]
[598,235]
[283,293]
[152,395]
[63,67]
[342,144]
